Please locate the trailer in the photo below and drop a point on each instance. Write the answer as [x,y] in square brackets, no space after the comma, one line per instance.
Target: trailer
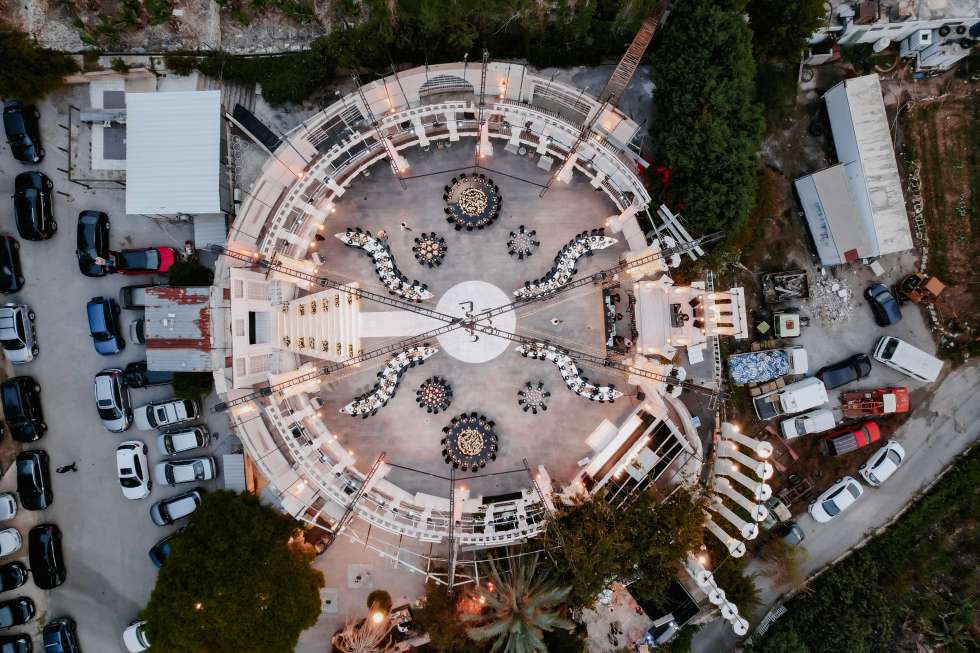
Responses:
[789,286]
[881,401]
[766,365]
[793,398]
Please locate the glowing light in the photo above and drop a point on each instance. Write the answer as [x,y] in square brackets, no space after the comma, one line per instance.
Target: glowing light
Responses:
[198,606]
[703,559]
[377,617]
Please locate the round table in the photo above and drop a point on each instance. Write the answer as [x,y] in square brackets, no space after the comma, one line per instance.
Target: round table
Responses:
[472,202]
[470,442]
[522,243]
[429,249]
[434,394]
[533,397]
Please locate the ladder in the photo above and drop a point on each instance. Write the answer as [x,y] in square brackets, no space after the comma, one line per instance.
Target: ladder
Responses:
[624,72]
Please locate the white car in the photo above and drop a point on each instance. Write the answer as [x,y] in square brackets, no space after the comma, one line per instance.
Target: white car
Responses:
[174,472]
[184,440]
[10,541]
[133,470]
[170,510]
[8,506]
[165,413]
[813,422]
[836,499]
[134,637]
[112,400]
[17,334]
[882,464]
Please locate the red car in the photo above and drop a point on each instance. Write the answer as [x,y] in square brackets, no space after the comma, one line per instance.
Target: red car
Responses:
[849,439]
[147,260]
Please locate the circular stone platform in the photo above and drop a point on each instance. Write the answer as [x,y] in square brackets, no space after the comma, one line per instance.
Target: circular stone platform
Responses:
[475,297]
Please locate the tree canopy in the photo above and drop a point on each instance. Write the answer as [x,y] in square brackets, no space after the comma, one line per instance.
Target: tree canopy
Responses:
[647,539]
[236,581]
[707,126]
[29,72]
[781,28]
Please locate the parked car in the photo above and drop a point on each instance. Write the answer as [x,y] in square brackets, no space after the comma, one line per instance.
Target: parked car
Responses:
[134,637]
[175,472]
[882,464]
[34,480]
[10,541]
[93,243]
[16,612]
[846,371]
[61,636]
[883,305]
[850,438]
[20,124]
[815,421]
[789,532]
[836,499]
[21,399]
[133,469]
[176,442]
[145,260]
[112,400]
[8,506]
[12,576]
[176,507]
[33,206]
[17,333]
[133,297]
[137,332]
[164,414]
[907,359]
[44,551]
[16,644]
[161,550]
[138,376]
[103,324]
[11,273]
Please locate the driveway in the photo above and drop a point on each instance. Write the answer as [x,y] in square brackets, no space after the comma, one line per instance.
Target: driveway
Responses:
[937,432]
[106,537]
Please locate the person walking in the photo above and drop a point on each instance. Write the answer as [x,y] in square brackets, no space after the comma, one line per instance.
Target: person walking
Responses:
[64,469]
[405,227]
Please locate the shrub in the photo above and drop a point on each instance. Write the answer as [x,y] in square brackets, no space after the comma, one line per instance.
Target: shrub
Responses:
[190,273]
[192,385]
[379,600]
[30,72]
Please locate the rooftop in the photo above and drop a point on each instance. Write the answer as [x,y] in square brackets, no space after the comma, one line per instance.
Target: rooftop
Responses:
[178,329]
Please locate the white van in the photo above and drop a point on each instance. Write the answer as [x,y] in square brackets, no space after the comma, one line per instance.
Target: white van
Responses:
[815,421]
[900,355]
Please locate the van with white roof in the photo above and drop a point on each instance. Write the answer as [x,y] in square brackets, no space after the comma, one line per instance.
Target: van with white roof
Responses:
[793,398]
[900,355]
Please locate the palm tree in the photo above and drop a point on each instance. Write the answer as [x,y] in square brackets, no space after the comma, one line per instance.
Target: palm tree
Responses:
[520,603]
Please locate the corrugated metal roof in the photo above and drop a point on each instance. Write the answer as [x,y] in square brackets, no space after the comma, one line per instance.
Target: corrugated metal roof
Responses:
[233,472]
[173,152]
[178,329]
[209,230]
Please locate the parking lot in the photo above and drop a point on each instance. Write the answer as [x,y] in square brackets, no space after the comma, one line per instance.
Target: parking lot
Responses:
[106,537]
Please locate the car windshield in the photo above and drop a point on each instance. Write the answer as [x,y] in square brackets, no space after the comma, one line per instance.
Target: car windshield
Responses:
[6,617]
[168,473]
[893,456]
[146,259]
[853,489]
[198,470]
[129,482]
[830,507]
[890,349]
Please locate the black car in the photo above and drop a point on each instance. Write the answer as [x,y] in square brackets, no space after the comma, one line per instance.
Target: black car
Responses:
[11,274]
[20,123]
[16,612]
[93,243]
[33,206]
[12,576]
[44,552]
[886,310]
[138,376]
[850,369]
[161,550]
[21,399]
[16,644]
[61,636]
[34,480]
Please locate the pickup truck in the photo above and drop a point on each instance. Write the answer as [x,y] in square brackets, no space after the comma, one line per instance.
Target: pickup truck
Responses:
[766,365]
[849,439]
[793,398]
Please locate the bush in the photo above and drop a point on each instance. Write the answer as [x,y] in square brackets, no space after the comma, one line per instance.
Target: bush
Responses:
[29,72]
[189,273]
[192,385]
[120,66]
[379,600]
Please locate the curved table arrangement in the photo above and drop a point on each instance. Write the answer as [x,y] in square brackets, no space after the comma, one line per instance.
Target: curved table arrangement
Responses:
[522,243]
[434,394]
[384,264]
[368,404]
[564,269]
[470,442]
[472,202]
[533,397]
[570,373]
[429,249]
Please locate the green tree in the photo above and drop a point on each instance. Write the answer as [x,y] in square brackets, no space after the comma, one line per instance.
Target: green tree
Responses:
[520,606]
[238,580]
[189,273]
[707,126]
[29,72]
[379,600]
[192,385]
[439,619]
[781,28]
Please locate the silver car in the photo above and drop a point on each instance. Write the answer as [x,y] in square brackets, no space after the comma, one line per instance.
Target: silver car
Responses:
[17,334]
[112,400]
[174,442]
[175,472]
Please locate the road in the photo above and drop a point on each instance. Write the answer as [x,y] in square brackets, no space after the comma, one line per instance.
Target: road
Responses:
[106,537]
[936,433]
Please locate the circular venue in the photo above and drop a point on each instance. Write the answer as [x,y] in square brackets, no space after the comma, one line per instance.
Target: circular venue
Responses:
[320,329]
